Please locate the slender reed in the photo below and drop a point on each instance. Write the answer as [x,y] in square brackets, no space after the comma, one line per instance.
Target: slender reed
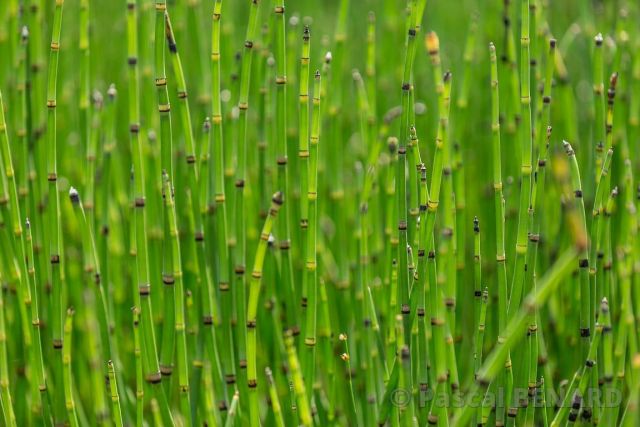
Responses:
[179,295]
[312,249]
[241,183]
[303,153]
[252,308]
[53,207]
[115,398]
[68,378]
[499,203]
[222,247]
[142,296]
[283,231]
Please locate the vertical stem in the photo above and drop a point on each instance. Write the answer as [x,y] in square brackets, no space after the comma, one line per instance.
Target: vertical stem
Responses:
[501,258]
[252,309]
[53,229]
[241,181]
[68,378]
[179,295]
[283,232]
[222,247]
[142,297]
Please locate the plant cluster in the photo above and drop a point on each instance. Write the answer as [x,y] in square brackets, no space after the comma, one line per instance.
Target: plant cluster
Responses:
[375,212]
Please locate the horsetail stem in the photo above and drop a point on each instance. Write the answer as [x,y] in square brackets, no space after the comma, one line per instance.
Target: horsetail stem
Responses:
[583,264]
[66,361]
[311,250]
[37,325]
[598,92]
[137,352]
[241,182]
[220,212]
[297,380]
[303,152]
[252,308]
[209,314]
[499,203]
[537,206]
[115,399]
[281,153]
[94,270]
[275,401]
[23,124]
[233,408]
[53,229]
[166,164]
[142,296]
[401,178]
[526,167]
[480,297]
[7,405]
[84,105]
[178,300]
[447,246]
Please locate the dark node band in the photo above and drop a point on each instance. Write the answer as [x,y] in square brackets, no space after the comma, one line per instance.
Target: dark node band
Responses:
[154,378]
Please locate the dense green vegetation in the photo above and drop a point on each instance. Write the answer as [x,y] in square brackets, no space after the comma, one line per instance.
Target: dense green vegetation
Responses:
[368,212]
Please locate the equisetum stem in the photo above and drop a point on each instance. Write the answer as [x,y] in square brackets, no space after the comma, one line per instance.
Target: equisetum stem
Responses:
[93,268]
[179,295]
[275,400]
[84,107]
[7,405]
[220,212]
[35,321]
[209,312]
[142,297]
[501,258]
[53,229]
[166,165]
[598,92]
[115,399]
[241,183]
[252,309]
[283,231]
[304,413]
[137,352]
[311,250]
[583,263]
[526,167]
[67,376]
[303,155]
[537,204]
